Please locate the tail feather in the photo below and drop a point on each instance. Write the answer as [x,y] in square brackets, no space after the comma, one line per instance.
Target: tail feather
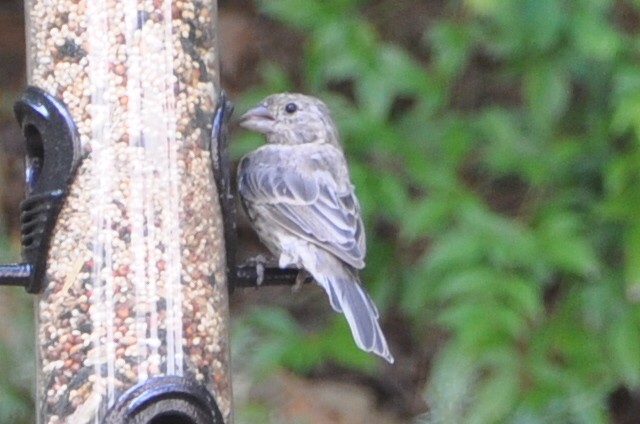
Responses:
[347,296]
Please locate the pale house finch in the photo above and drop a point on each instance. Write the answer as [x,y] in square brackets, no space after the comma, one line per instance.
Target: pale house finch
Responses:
[299,198]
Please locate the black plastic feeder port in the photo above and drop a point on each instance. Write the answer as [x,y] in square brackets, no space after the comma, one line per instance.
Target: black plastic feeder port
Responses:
[52,155]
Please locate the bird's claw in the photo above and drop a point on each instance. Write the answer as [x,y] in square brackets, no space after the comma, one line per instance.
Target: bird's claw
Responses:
[259,273]
[260,263]
[302,277]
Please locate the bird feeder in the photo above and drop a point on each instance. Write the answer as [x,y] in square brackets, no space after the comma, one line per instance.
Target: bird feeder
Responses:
[122,232]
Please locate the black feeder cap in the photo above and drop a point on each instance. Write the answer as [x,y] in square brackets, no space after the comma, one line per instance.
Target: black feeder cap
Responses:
[166,400]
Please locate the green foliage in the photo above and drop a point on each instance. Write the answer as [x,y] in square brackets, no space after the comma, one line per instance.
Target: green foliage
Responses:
[273,337]
[17,359]
[538,296]
[17,372]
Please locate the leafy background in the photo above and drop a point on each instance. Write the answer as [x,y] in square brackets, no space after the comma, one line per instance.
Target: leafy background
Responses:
[495,149]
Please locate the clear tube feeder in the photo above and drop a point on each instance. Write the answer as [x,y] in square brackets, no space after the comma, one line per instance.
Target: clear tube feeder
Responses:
[132,316]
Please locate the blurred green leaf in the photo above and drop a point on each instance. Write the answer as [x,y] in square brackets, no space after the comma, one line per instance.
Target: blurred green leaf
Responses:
[313,14]
[482,326]
[632,266]
[426,216]
[547,90]
[626,114]
[562,242]
[593,35]
[496,396]
[624,345]
[452,43]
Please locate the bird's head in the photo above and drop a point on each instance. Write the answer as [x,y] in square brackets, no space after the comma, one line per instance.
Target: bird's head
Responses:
[291,118]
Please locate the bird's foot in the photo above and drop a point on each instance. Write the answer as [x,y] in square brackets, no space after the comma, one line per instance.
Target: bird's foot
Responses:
[260,263]
[302,277]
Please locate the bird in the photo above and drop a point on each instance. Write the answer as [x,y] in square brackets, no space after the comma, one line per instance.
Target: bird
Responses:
[297,194]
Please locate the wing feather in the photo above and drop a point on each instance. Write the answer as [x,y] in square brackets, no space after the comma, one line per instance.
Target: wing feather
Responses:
[306,199]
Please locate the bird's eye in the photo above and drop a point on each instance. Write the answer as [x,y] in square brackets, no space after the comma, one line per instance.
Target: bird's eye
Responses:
[291,107]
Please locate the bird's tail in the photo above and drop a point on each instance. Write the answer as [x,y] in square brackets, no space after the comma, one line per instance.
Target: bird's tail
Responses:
[348,297]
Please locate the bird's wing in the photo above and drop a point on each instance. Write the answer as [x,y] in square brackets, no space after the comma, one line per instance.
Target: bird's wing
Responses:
[299,194]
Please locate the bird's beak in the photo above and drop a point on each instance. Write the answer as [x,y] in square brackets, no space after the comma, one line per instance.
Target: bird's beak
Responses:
[258,119]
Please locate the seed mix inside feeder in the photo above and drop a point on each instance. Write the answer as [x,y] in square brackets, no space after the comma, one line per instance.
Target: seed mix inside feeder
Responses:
[135,285]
